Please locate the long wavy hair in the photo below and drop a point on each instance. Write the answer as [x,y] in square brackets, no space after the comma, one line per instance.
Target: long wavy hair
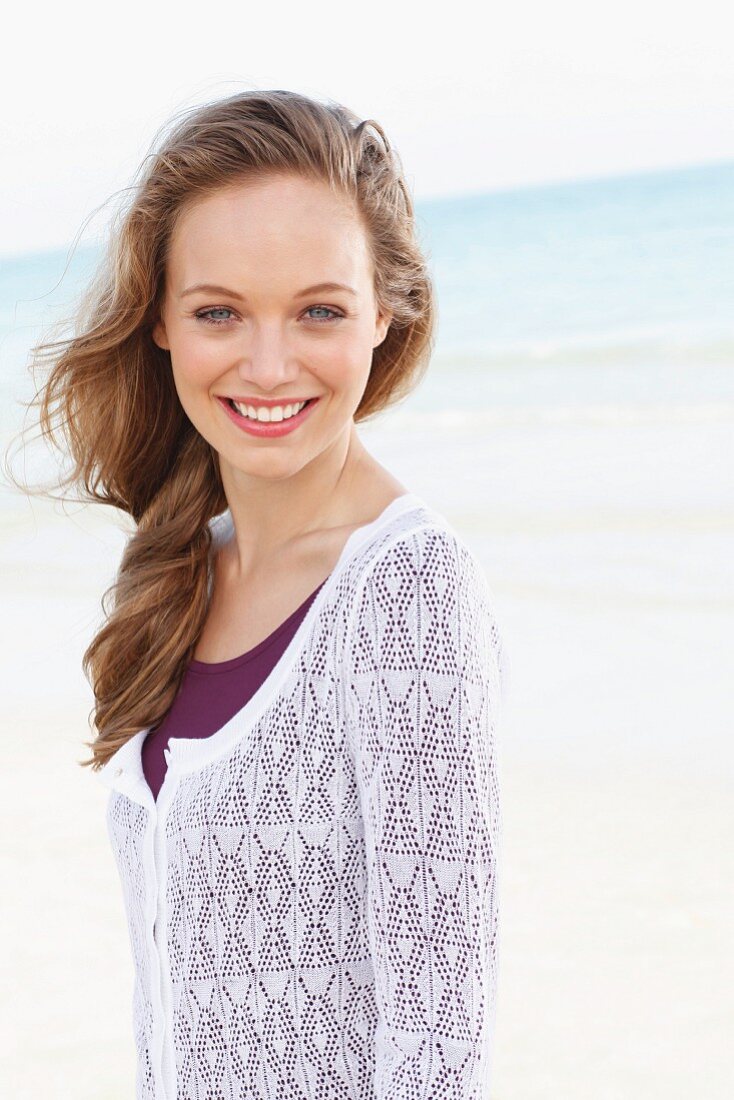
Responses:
[109,393]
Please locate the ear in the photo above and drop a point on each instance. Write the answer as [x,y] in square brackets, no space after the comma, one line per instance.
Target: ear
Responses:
[381,326]
[158,332]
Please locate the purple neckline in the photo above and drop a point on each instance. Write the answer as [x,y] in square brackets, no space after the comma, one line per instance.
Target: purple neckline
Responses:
[209,667]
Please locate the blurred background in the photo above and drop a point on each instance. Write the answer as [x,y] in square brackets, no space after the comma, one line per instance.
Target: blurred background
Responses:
[573,172]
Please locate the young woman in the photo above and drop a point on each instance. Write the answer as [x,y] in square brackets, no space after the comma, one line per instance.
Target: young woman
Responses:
[298,684]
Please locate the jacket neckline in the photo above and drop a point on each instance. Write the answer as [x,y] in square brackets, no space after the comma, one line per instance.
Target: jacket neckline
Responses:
[124,770]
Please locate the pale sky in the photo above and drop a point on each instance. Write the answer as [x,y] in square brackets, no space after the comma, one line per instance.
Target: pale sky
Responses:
[534,92]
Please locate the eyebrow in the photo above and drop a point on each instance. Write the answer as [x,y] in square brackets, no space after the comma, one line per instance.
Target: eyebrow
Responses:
[212,288]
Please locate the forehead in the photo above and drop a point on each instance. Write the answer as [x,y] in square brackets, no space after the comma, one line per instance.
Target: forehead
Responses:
[279,225]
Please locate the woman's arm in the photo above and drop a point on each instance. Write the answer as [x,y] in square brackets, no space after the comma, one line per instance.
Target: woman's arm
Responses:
[426,677]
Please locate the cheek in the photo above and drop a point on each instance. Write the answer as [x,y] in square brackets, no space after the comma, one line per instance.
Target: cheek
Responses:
[196,365]
[341,363]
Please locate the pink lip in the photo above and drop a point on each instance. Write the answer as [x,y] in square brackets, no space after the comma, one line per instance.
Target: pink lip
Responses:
[269,431]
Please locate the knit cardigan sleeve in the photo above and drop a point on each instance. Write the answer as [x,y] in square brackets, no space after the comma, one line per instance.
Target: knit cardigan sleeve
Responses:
[427,668]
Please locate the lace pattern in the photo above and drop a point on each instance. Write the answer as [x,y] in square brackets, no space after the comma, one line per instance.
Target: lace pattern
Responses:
[313,912]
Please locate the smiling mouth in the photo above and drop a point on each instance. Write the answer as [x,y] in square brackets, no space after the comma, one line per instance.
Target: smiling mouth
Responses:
[265,414]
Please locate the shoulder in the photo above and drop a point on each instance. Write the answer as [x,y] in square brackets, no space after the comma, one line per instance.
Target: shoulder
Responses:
[424,556]
[424,613]
[423,588]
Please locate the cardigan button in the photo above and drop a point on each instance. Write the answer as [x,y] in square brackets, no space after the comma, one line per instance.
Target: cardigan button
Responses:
[118,771]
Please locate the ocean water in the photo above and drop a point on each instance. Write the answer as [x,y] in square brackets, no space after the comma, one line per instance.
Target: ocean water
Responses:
[634,269]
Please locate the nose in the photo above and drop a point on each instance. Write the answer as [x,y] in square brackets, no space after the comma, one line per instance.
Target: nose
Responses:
[268,360]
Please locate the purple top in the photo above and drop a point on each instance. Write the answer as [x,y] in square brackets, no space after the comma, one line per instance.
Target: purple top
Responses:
[212,692]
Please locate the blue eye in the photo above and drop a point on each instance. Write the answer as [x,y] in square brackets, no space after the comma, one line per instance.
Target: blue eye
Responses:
[207,319]
[328,309]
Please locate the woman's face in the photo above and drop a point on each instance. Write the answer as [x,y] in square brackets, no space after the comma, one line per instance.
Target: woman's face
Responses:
[259,335]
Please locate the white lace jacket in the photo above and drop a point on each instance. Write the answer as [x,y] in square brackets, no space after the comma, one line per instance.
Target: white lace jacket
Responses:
[313,900]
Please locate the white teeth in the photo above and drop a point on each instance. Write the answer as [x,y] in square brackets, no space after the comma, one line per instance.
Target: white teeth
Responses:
[268,415]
